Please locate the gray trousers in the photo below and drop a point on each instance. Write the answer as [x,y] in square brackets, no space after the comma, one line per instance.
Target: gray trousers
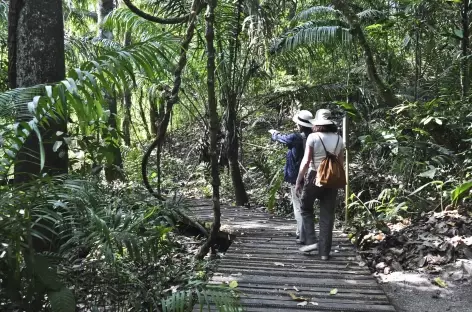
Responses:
[328,198]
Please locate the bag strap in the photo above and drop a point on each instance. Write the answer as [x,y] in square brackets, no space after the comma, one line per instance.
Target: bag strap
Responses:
[324,147]
[335,148]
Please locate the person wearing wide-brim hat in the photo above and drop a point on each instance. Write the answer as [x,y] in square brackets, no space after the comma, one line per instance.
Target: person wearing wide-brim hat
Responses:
[295,143]
[324,139]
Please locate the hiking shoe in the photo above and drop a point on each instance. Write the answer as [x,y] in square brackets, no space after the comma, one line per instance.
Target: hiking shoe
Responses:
[309,248]
[299,242]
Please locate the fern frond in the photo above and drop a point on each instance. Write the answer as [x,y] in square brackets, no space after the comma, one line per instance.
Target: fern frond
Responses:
[316,11]
[204,297]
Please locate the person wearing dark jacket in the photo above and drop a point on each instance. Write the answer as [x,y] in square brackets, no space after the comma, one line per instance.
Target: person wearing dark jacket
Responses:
[295,143]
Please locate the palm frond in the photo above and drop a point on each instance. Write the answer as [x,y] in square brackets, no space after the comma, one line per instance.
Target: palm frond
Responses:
[316,11]
[123,20]
[371,13]
[311,33]
[79,94]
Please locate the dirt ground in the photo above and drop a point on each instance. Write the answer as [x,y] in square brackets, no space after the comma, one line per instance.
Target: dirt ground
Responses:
[417,292]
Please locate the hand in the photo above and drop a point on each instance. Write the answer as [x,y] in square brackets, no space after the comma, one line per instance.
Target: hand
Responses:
[272,131]
[299,187]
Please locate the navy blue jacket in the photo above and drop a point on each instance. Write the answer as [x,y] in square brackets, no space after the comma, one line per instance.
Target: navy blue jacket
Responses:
[294,143]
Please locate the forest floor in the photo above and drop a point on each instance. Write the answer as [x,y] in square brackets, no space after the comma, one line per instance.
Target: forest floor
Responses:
[425,264]
[414,292]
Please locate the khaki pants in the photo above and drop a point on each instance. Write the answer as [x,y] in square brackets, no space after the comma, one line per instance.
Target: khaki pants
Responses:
[328,198]
[296,203]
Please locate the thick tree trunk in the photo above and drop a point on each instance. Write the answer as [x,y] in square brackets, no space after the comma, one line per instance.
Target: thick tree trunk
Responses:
[114,170]
[36,56]
[214,128]
[465,46]
[383,90]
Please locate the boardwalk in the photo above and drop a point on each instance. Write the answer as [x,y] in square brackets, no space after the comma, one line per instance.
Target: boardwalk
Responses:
[265,261]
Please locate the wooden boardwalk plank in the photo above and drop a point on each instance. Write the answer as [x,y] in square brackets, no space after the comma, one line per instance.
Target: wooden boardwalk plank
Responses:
[265,261]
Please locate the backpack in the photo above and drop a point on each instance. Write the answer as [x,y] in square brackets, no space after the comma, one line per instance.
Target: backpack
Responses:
[300,152]
[330,173]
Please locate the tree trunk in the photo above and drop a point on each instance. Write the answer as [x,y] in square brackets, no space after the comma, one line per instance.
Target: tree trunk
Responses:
[214,128]
[465,45]
[126,125]
[142,113]
[36,56]
[113,170]
[154,113]
[231,96]
[383,90]
[233,152]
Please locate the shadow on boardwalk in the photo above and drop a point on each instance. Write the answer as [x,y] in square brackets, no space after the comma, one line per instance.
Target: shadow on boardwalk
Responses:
[265,261]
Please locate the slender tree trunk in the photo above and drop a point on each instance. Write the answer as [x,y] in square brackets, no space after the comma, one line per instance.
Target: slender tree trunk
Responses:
[465,45]
[154,113]
[114,170]
[232,137]
[126,125]
[233,152]
[214,128]
[383,90]
[142,113]
[36,56]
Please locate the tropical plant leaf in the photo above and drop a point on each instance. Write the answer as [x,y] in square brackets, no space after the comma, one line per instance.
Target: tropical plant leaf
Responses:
[460,191]
[62,300]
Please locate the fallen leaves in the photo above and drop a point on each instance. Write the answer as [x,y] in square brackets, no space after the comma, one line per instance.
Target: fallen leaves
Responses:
[333,291]
[296,298]
[233,284]
[279,264]
[428,243]
[440,282]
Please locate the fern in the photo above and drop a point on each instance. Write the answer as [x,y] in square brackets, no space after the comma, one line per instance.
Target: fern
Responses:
[221,297]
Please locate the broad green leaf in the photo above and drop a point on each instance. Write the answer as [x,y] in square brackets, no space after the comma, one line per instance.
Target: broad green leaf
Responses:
[233,284]
[460,190]
[333,291]
[62,300]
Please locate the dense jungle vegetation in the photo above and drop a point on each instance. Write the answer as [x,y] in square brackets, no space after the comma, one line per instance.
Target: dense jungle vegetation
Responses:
[98,94]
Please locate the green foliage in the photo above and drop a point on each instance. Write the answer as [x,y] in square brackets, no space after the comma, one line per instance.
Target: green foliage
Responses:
[62,300]
[204,296]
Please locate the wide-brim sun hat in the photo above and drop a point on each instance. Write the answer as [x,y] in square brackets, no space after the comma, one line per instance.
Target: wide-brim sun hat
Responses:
[322,118]
[303,118]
